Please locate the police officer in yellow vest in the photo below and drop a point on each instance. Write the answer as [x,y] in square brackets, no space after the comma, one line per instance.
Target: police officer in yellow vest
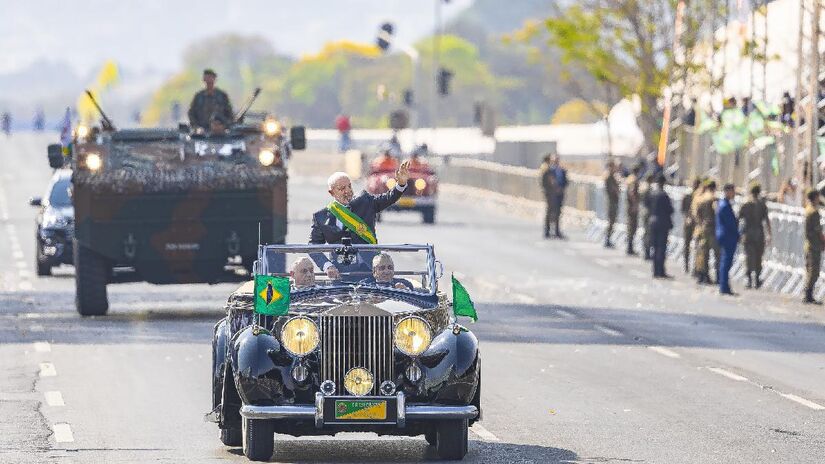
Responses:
[352,216]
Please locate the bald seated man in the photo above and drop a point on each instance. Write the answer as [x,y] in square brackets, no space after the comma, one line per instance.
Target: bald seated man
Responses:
[383,273]
[302,273]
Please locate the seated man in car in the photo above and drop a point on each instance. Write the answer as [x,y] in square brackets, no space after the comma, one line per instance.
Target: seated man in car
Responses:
[383,273]
[302,273]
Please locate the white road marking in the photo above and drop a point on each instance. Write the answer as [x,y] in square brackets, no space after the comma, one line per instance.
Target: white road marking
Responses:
[36,328]
[23,273]
[483,433]
[565,314]
[62,433]
[728,374]
[42,347]
[17,254]
[54,398]
[25,285]
[802,401]
[664,351]
[608,331]
[20,264]
[522,298]
[47,370]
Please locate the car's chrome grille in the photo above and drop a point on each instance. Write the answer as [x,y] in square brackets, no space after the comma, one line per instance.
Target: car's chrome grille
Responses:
[356,341]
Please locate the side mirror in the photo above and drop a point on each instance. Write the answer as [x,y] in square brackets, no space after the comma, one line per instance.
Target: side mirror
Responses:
[56,160]
[36,201]
[439,269]
[297,137]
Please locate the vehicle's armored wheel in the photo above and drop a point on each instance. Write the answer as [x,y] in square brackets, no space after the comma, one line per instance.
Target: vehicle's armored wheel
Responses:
[258,439]
[452,439]
[231,437]
[431,436]
[428,215]
[91,275]
[43,269]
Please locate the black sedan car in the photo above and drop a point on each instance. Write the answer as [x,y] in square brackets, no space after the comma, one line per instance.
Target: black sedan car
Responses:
[377,351]
[54,224]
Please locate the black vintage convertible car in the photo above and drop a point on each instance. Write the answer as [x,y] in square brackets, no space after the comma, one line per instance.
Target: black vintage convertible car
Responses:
[377,351]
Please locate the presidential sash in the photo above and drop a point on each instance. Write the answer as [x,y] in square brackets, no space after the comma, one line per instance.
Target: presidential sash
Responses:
[352,222]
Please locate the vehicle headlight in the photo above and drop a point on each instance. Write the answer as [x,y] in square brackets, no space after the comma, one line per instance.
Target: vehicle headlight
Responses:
[266,157]
[358,381]
[272,128]
[82,131]
[93,161]
[420,184]
[413,336]
[391,183]
[300,336]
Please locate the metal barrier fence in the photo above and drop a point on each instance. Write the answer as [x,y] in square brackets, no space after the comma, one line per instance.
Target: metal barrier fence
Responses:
[783,267]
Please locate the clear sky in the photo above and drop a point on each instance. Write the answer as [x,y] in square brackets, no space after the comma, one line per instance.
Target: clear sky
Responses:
[152,33]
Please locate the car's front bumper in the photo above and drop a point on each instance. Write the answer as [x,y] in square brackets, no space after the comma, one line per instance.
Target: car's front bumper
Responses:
[403,414]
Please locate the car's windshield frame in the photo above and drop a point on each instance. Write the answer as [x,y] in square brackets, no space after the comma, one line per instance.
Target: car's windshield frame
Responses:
[262,264]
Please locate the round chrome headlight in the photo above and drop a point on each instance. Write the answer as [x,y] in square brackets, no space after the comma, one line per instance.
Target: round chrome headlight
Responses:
[391,183]
[266,157]
[413,336]
[93,161]
[300,336]
[420,184]
[358,381]
[82,131]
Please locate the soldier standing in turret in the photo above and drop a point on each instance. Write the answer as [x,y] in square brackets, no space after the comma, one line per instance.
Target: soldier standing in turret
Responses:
[209,103]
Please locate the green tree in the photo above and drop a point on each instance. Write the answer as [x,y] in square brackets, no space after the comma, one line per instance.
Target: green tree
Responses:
[627,45]
[578,111]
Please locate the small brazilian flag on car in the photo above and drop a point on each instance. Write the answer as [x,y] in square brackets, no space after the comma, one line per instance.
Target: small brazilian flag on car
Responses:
[462,304]
[271,295]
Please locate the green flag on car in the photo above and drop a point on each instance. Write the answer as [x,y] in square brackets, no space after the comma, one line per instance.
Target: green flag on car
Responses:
[462,304]
[271,295]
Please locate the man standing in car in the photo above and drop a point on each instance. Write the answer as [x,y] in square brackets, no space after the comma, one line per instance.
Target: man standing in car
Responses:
[208,103]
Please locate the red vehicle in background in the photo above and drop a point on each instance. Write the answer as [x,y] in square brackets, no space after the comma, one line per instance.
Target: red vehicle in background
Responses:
[422,188]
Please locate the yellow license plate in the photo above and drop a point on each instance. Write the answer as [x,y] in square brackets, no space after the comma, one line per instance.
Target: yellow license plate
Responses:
[406,202]
[361,409]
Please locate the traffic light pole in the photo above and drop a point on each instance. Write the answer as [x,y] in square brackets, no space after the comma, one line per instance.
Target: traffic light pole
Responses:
[414,60]
[436,70]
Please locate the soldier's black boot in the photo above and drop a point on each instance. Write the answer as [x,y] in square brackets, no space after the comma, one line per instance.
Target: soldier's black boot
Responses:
[809,297]
[758,279]
[750,282]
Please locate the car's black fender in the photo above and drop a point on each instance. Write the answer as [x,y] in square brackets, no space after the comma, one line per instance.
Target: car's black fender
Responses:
[258,379]
[451,369]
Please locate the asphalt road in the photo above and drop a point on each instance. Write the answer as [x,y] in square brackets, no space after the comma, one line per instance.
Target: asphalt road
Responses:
[586,359]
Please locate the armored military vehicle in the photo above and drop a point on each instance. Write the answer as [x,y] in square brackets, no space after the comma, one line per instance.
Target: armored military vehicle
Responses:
[171,206]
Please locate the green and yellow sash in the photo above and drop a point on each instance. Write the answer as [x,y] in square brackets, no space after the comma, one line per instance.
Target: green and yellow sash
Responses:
[352,222]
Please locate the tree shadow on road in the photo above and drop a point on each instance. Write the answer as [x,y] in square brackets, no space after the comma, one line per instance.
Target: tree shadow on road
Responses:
[408,450]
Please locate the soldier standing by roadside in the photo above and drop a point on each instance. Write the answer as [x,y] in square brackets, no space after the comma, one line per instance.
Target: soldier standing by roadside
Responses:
[611,188]
[547,179]
[688,223]
[632,197]
[705,217]
[561,185]
[754,219]
[644,198]
[727,235]
[661,221]
[814,241]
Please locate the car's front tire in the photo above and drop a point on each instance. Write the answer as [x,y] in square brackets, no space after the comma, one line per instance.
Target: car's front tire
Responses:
[258,439]
[451,439]
[231,437]
[431,435]
[43,268]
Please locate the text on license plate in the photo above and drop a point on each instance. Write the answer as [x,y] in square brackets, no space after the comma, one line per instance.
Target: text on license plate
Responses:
[361,409]
[406,202]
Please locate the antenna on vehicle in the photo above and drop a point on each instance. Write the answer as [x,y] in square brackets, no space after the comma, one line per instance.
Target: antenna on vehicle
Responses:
[247,105]
[259,233]
[107,123]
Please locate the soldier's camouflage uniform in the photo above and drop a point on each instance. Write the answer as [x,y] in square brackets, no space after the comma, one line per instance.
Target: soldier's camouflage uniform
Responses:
[632,196]
[704,214]
[611,187]
[688,225]
[644,198]
[205,106]
[754,215]
[813,249]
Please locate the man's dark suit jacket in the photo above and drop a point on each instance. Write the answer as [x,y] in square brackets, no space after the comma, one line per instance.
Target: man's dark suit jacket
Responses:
[365,205]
